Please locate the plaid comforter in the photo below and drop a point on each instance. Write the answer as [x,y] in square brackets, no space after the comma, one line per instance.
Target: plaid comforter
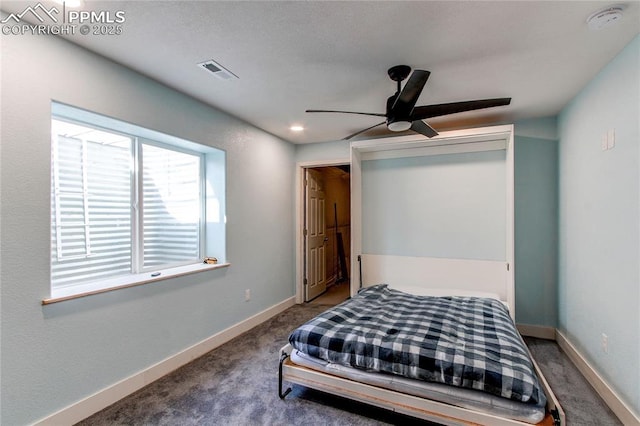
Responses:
[461,341]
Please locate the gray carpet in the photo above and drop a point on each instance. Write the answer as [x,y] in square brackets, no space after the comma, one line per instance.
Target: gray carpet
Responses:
[236,384]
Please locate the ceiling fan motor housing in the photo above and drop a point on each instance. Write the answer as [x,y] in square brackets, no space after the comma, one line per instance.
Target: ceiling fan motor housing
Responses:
[397,121]
[399,72]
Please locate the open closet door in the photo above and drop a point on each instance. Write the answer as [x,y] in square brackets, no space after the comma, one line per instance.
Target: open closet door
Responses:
[315,278]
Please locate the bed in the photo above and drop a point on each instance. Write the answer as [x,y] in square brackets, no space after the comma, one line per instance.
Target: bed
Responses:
[445,260]
[444,354]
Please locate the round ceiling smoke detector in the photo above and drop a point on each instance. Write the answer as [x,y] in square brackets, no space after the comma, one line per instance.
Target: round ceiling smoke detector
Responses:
[605,17]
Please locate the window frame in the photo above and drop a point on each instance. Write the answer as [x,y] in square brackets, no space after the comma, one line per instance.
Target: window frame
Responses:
[212,166]
[138,211]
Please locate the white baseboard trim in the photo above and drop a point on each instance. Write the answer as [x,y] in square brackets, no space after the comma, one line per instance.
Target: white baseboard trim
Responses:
[111,394]
[610,397]
[539,331]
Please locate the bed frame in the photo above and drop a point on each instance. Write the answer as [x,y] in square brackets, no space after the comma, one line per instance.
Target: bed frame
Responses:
[426,409]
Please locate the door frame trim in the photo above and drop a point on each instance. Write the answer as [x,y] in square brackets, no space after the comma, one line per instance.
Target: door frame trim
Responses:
[300,219]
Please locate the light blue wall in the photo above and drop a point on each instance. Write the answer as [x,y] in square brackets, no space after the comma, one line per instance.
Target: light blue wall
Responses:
[448,206]
[55,355]
[327,151]
[599,250]
[543,128]
[536,224]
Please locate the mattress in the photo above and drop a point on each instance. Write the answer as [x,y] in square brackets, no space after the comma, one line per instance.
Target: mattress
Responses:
[464,342]
[465,398]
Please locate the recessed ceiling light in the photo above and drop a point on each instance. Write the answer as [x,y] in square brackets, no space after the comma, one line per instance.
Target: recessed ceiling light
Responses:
[606,17]
[296,128]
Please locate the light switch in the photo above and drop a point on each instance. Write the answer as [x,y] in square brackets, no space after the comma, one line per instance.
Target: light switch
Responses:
[604,143]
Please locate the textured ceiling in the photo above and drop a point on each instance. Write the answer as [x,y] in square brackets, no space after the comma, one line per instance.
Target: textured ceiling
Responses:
[291,56]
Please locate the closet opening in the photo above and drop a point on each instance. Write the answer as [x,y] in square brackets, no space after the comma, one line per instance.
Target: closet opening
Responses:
[325,234]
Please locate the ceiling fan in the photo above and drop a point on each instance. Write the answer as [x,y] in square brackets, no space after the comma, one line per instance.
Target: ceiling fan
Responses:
[402,114]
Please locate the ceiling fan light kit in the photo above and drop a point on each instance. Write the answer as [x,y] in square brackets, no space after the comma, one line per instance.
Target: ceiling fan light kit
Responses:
[399,126]
[402,114]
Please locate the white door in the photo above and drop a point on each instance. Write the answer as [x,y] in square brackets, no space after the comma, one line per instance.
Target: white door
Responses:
[315,279]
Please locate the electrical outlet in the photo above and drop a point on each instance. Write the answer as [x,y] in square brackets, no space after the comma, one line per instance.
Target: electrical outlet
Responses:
[605,343]
[247,295]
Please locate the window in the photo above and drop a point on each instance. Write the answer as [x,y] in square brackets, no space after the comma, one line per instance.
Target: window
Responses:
[128,203]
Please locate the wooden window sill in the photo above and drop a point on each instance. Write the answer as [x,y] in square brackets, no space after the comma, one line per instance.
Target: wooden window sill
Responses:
[76,292]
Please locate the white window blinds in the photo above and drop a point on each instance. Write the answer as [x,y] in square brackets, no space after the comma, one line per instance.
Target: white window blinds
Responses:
[171,206]
[110,220]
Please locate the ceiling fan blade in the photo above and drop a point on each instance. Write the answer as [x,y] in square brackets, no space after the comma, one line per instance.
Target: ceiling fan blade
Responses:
[428,111]
[347,112]
[409,95]
[362,131]
[423,128]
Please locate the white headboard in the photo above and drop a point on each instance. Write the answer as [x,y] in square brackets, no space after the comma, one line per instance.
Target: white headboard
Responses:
[451,276]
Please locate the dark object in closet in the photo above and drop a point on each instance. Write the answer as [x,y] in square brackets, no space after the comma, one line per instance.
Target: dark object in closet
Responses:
[343,274]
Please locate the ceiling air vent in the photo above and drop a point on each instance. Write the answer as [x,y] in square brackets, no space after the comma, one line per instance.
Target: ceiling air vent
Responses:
[217,70]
